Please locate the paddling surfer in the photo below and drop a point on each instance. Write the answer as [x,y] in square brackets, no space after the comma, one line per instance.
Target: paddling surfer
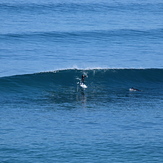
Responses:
[134,89]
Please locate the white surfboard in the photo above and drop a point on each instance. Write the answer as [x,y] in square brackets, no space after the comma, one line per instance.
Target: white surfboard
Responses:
[82,85]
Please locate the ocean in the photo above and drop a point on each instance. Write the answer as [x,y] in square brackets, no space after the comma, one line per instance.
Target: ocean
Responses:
[45,48]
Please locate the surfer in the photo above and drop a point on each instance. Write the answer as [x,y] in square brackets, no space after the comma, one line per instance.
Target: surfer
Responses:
[134,89]
[83,78]
[82,82]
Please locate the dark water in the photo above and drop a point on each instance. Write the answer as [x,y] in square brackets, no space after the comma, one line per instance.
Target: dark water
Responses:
[46,117]
[46,46]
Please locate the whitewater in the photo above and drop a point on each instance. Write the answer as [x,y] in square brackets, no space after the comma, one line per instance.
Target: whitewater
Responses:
[46,47]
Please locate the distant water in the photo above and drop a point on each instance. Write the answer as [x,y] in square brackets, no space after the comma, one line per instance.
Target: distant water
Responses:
[45,47]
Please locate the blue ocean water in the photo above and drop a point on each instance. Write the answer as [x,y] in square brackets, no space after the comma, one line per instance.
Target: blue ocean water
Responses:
[46,46]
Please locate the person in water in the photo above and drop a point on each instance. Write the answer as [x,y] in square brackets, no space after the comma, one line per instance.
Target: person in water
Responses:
[134,89]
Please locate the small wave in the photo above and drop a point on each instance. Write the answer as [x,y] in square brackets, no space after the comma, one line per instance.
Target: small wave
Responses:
[45,7]
[84,35]
[67,77]
[103,85]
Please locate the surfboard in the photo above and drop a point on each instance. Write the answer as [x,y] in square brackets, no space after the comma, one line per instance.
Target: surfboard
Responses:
[82,85]
[131,89]
[134,89]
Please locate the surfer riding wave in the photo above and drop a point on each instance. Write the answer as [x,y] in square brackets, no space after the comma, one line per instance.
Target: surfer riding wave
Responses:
[82,82]
[83,78]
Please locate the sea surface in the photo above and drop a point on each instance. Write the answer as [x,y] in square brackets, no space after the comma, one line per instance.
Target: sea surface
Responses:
[45,48]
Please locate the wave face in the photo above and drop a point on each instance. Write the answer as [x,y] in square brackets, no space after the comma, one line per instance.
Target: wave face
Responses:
[104,84]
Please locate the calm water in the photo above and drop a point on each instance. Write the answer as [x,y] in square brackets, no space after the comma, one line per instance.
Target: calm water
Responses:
[45,47]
